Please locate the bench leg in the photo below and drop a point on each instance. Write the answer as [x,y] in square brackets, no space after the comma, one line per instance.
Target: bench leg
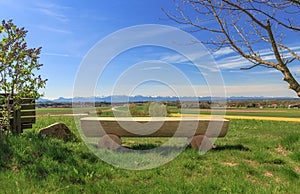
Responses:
[110,141]
[201,143]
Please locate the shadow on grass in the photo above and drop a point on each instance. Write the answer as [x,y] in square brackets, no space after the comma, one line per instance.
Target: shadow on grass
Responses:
[151,148]
[143,146]
[144,149]
[218,148]
[158,148]
[231,147]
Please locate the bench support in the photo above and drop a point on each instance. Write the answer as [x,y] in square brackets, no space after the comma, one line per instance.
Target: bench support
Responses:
[113,142]
[110,141]
[201,143]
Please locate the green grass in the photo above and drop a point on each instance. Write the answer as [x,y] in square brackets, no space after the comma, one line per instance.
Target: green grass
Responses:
[53,111]
[254,157]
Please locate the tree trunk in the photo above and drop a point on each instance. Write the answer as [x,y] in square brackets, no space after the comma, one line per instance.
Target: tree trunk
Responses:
[293,84]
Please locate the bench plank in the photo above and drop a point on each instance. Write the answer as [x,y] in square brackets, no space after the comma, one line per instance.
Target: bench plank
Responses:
[160,127]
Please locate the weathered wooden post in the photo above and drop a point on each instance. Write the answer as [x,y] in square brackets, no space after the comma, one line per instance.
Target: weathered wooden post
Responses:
[21,117]
[16,126]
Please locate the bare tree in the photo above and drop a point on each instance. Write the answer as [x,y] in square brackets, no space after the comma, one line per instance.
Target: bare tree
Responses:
[246,26]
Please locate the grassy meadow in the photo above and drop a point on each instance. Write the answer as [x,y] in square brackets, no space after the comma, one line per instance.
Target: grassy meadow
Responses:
[255,157]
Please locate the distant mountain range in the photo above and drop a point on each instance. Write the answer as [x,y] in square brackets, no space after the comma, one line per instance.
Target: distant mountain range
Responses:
[140,98]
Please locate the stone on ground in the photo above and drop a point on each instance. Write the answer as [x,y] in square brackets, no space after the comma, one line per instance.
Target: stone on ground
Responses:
[57,130]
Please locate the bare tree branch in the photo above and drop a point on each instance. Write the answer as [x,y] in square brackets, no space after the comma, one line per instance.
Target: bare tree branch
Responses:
[245,25]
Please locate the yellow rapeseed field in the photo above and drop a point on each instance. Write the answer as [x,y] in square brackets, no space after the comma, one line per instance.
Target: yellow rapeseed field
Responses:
[240,117]
[264,118]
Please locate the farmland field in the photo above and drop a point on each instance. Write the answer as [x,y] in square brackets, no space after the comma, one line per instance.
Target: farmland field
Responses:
[256,156]
[268,112]
[61,111]
[290,113]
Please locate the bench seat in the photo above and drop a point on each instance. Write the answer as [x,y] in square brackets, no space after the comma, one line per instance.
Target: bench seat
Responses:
[114,128]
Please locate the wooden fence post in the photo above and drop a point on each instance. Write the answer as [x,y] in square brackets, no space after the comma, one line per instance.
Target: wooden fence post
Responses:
[21,118]
[17,121]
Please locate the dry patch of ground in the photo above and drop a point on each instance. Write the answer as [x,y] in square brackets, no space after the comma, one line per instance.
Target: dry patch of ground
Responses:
[251,162]
[268,174]
[231,164]
[277,180]
[281,151]
[297,169]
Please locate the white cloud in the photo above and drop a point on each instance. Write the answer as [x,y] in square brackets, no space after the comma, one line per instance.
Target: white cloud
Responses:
[265,71]
[53,14]
[236,61]
[199,59]
[260,90]
[295,69]
[57,54]
[174,58]
[151,68]
[268,90]
[52,10]
[279,90]
[269,53]
[232,62]
[52,29]
[222,52]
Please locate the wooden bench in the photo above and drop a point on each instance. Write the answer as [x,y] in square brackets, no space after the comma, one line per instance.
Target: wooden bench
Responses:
[24,117]
[111,129]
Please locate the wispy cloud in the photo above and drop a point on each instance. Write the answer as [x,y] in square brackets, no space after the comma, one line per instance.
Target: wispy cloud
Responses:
[56,54]
[56,30]
[268,54]
[270,90]
[231,62]
[174,58]
[246,90]
[259,90]
[151,68]
[198,59]
[53,14]
[295,69]
[236,61]
[265,72]
[52,10]
[222,52]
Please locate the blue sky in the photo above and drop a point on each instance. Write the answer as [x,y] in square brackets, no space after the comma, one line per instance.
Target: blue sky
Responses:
[67,30]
